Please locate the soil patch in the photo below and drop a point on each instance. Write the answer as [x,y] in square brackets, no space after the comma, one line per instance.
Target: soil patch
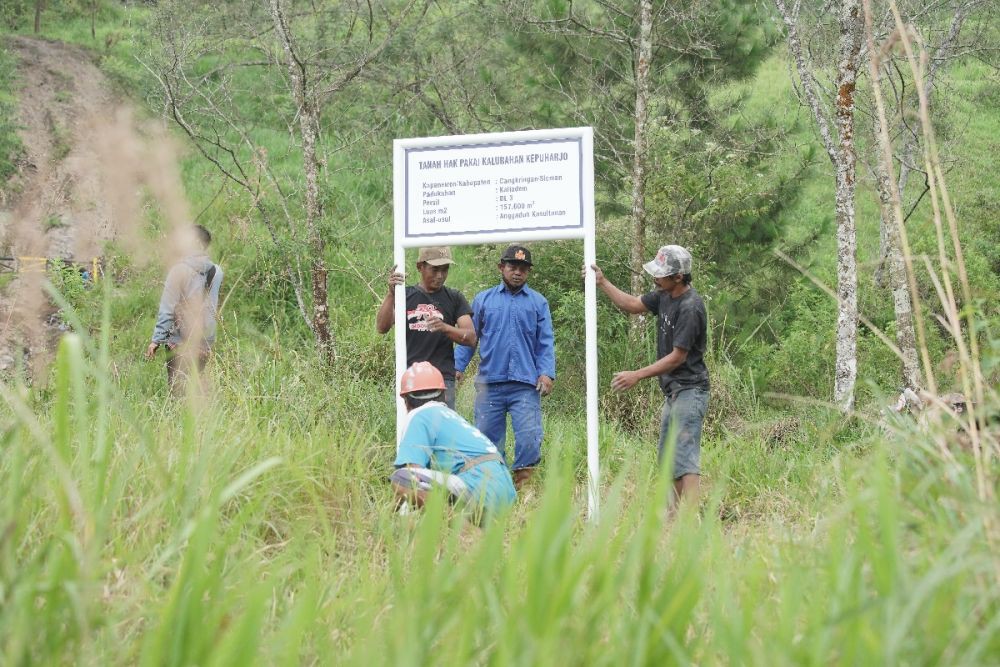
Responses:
[55,206]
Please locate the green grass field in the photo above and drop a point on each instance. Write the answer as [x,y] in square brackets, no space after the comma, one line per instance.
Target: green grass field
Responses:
[254,525]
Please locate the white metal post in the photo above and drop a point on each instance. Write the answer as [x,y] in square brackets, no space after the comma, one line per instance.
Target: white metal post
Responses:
[590,323]
[399,259]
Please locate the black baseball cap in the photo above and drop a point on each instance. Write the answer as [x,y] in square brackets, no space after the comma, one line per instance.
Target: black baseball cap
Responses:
[516,253]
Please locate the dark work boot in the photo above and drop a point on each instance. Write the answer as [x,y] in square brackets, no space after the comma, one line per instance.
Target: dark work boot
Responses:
[521,477]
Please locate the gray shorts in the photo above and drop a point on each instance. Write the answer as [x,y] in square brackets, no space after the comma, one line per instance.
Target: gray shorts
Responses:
[683,415]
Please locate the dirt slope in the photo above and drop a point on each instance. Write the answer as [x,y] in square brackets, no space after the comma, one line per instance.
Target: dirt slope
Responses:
[54,206]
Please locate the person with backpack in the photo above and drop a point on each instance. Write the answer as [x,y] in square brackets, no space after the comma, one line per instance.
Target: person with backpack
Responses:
[186,320]
[439,448]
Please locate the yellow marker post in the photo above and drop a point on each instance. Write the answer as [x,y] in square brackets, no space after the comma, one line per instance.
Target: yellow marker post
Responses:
[31,264]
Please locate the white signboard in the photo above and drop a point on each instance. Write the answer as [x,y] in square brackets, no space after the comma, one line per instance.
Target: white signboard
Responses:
[494,188]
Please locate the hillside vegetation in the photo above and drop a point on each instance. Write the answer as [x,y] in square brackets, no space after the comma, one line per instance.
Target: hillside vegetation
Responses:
[254,525]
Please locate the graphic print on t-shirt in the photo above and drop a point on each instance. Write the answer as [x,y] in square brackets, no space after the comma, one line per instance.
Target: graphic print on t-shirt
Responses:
[666,326]
[417,318]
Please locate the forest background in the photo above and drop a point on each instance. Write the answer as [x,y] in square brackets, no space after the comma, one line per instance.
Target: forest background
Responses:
[254,523]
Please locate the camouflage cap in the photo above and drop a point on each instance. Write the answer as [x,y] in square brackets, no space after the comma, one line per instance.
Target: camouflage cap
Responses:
[669,261]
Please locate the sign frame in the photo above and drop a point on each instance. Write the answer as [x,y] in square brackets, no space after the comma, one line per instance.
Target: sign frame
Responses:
[585,231]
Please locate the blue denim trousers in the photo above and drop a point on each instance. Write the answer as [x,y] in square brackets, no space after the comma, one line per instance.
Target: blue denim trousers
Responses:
[683,416]
[494,401]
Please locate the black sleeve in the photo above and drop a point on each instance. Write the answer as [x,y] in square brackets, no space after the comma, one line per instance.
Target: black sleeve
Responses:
[691,323]
[652,301]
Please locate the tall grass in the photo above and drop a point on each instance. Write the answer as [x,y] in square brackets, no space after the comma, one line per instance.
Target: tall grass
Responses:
[252,525]
[10,143]
[951,260]
[229,530]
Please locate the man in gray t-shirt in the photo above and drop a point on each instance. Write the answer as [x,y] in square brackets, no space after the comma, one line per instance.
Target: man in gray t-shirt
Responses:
[681,322]
[682,331]
[189,304]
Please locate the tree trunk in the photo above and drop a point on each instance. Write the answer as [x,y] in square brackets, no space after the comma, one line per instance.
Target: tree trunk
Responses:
[906,337]
[643,57]
[309,125]
[892,274]
[844,158]
[891,252]
[39,6]
[846,371]
[308,114]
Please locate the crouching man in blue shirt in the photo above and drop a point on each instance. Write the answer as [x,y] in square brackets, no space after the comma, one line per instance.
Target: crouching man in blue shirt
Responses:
[440,448]
[517,361]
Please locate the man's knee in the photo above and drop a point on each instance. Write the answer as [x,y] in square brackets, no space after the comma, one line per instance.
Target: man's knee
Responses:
[526,407]
[420,481]
[410,479]
[526,419]
[490,413]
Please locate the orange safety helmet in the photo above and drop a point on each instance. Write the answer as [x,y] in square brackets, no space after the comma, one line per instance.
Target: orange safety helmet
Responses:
[421,376]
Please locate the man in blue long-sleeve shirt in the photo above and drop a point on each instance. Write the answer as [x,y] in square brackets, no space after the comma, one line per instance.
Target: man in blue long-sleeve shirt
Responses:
[517,361]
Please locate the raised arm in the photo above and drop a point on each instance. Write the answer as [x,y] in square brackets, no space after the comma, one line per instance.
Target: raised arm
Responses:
[386,315]
[622,300]
[468,331]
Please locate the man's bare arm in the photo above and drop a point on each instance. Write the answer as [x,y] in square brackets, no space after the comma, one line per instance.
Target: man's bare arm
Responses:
[386,315]
[626,379]
[622,300]
[462,333]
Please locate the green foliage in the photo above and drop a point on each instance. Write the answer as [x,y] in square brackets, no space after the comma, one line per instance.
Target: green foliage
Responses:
[722,194]
[583,73]
[250,526]
[253,524]
[20,14]
[68,280]
[10,143]
[802,363]
[14,14]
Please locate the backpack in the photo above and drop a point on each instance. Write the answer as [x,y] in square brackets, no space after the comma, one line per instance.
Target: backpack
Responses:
[209,278]
[179,323]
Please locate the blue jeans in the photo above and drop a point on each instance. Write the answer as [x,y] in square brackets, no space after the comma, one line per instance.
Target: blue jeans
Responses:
[683,415]
[494,401]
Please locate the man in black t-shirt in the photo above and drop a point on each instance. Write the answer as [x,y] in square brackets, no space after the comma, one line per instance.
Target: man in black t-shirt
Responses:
[436,316]
[682,330]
